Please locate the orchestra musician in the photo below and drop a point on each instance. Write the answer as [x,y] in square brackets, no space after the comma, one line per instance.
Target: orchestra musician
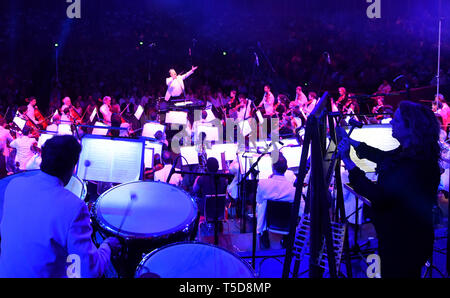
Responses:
[244,108]
[268,102]
[342,100]
[30,110]
[230,106]
[23,144]
[5,140]
[34,115]
[106,111]
[312,100]
[300,99]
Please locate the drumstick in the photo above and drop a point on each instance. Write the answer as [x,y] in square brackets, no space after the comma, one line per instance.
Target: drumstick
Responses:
[133,197]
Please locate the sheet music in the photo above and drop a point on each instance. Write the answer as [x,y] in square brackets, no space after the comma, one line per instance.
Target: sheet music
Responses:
[190,153]
[377,136]
[151,128]
[176,117]
[43,138]
[156,146]
[100,131]
[230,150]
[19,122]
[139,112]
[116,161]
[148,157]
[94,112]
[212,132]
[216,154]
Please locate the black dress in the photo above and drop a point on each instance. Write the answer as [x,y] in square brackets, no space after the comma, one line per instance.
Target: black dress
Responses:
[402,201]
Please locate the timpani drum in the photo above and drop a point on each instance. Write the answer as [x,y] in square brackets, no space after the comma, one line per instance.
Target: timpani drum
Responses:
[193,260]
[145,215]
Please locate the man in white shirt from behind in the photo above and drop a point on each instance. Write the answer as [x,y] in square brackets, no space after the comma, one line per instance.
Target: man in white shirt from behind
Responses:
[45,229]
[23,146]
[277,187]
[175,84]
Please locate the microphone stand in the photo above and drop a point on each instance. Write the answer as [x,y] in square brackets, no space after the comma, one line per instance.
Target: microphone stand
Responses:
[255,173]
[216,177]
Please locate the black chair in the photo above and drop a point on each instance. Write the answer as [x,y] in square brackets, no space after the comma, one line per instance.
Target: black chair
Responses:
[278,216]
[214,207]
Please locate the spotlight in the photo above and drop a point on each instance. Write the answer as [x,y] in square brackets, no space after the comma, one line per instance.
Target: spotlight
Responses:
[224,53]
[141,43]
[56,45]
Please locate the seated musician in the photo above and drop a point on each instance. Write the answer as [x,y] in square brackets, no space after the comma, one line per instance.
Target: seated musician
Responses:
[23,144]
[205,185]
[45,229]
[312,100]
[30,112]
[230,105]
[67,103]
[267,101]
[277,187]
[300,99]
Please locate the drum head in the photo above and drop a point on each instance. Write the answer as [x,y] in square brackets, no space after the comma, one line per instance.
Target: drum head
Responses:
[145,210]
[194,260]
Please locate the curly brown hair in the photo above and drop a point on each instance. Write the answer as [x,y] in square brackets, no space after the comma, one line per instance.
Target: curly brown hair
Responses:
[425,130]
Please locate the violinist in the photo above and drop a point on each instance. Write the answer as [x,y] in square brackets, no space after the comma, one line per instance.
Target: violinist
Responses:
[379,108]
[106,111]
[244,108]
[268,101]
[230,105]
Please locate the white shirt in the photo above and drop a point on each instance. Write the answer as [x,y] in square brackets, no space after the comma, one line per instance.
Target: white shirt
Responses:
[5,137]
[175,87]
[23,145]
[268,103]
[104,109]
[30,113]
[42,224]
[301,101]
[275,188]
[244,112]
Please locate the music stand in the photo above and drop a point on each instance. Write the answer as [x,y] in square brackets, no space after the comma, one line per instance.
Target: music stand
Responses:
[109,159]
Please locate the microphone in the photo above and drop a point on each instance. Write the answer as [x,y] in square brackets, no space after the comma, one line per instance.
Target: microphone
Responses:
[257,60]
